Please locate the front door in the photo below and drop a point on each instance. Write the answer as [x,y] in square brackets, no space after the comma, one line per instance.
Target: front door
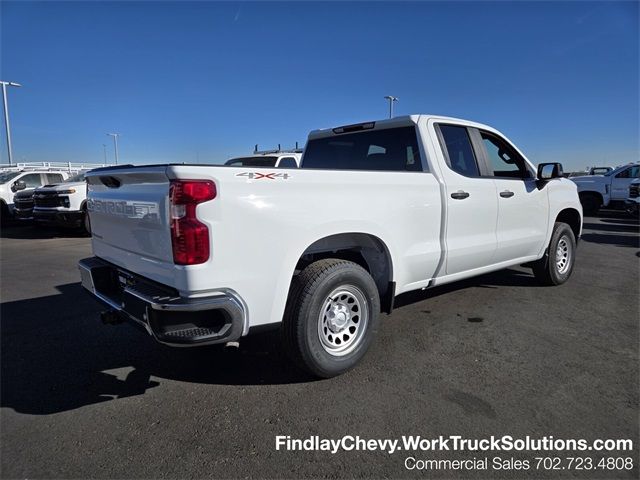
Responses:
[621,181]
[523,208]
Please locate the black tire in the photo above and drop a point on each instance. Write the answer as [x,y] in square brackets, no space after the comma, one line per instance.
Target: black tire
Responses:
[590,203]
[331,316]
[556,266]
[86,223]
[5,215]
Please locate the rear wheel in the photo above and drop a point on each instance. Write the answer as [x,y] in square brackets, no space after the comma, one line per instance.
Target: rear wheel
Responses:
[590,203]
[331,316]
[556,266]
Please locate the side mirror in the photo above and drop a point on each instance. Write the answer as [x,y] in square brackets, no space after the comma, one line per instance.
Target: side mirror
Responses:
[548,171]
[18,185]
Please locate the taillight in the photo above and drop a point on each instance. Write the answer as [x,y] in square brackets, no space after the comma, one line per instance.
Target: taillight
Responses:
[189,236]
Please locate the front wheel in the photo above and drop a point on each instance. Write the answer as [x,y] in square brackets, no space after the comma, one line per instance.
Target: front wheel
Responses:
[86,223]
[556,266]
[331,316]
[590,203]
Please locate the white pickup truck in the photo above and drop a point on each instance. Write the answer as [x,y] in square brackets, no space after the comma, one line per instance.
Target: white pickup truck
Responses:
[207,254]
[597,191]
[26,180]
[63,204]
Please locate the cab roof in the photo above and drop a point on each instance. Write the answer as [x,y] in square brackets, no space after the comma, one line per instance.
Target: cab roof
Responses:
[401,121]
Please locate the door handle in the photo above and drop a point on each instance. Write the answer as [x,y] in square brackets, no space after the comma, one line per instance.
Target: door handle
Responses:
[507,194]
[459,195]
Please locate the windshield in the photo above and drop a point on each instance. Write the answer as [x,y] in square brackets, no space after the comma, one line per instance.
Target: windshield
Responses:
[252,162]
[6,176]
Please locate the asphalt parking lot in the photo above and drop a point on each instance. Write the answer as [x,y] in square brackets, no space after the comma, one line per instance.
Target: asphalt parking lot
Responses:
[494,355]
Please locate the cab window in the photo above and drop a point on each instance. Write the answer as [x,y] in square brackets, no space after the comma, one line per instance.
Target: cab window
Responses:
[54,178]
[391,149]
[631,172]
[287,162]
[504,160]
[31,180]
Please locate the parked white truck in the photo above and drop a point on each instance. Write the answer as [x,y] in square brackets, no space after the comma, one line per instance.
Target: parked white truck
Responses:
[598,191]
[202,254]
[24,180]
[63,204]
[26,177]
[271,158]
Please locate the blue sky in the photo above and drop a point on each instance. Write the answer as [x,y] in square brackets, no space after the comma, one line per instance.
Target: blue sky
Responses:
[204,81]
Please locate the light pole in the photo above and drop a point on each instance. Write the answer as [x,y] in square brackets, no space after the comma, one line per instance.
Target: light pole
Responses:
[391,100]
[6,115]
[115,143]
[104,147]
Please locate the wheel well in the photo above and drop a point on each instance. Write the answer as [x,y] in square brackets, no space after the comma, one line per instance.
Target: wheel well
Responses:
[571,217]
[366,250]
[597,195]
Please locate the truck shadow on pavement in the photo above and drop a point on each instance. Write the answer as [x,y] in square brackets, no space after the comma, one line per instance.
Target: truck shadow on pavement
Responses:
[57,356]
[613,228]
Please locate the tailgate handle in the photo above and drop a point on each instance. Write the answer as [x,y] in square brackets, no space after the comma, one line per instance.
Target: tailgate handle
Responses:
[111,182]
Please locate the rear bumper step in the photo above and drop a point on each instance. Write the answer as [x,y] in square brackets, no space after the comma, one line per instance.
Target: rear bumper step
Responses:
[169,318]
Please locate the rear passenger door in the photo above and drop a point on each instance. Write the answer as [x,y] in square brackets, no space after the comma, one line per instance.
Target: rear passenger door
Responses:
[523,208]
[472,204]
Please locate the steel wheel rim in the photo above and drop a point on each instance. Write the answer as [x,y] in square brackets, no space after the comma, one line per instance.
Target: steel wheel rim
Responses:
[343,320]
[563,255]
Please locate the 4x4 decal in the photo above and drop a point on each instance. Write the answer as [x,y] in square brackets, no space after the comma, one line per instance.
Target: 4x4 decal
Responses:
[260,175]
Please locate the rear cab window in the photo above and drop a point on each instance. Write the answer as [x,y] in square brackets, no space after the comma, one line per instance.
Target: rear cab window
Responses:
[391,149]
[252,162]
[288,162]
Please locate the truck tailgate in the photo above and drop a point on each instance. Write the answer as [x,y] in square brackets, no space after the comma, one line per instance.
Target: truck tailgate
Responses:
[128,211]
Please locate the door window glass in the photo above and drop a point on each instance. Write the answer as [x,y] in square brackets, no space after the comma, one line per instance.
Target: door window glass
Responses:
[631,172]
[54,178]
[31,180]
[458,150]
[504,161]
